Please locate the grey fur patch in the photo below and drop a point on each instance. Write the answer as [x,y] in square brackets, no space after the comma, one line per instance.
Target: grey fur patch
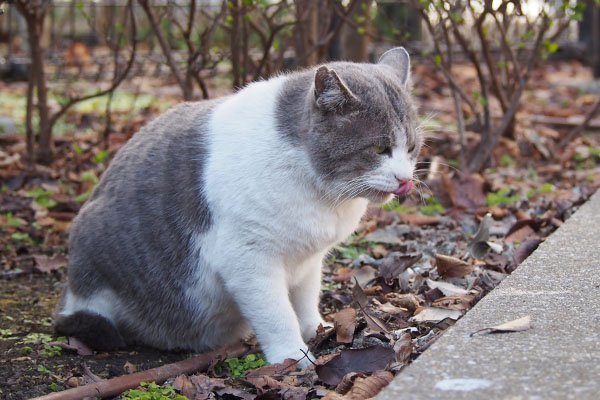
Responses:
[135,235]
[341,144]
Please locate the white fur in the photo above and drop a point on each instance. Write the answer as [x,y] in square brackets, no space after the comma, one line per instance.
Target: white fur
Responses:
[270,228]
[103,303]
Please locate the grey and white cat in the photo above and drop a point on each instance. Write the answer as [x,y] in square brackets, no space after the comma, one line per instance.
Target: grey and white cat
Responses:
[212,222]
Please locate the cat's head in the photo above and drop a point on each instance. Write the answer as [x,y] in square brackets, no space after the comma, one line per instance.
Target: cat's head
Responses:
[363,138]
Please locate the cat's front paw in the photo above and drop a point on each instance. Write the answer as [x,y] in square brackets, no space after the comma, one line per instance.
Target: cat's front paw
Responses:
[302,355]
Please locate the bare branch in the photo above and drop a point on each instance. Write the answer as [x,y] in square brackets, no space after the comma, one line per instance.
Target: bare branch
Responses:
[117,80]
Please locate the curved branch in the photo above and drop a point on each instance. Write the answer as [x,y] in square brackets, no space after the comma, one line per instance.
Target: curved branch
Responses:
[116,81]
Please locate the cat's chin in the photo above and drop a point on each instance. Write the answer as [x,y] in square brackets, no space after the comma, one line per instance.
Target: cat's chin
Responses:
[380,198]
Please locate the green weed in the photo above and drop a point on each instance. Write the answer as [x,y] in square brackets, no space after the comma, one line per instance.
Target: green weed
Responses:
[507,161]
[21,236]
[238,367]
[51,351]
[13,221]
[34,338]
[545,188]
[500,197]
[42,197]
[100,157]
[433,207]
[43,370]
[396,206]
[152,391]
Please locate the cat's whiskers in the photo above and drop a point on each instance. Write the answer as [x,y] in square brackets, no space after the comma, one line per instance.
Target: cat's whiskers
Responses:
[349,189]
[353,187]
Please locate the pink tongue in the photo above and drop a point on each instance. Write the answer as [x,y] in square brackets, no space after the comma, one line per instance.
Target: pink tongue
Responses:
[404,188]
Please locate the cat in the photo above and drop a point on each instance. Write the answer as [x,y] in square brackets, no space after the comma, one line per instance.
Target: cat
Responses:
[212,222]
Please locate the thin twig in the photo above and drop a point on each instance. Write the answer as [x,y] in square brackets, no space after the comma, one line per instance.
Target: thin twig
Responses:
[580,128]
[115,386]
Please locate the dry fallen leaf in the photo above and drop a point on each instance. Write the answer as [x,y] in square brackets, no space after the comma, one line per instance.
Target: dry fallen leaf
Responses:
[47,265]
[347,382]
[479,245]
[366,388]
[517,325]
[408,300]
[447,288]
[365,360]
[433,314]
[129,368]
[394,265]
[416,219]
[74,344]
[379,251]
[525,249]
[459,302]
[345,324]
[403,348]
[521,234]
[452,267]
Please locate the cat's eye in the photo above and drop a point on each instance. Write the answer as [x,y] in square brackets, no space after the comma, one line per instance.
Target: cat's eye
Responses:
[383,150]
[412,148]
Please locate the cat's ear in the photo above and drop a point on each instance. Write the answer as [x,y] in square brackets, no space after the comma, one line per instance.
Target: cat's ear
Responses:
[399,60]
[331,94]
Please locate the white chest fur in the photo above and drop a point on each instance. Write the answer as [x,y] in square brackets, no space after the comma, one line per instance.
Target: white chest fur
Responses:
[257,178]
[270,226]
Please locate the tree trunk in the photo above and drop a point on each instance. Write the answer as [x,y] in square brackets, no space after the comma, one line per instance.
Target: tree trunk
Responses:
[595,44]
[35,25]
[307,32]
[355,41]
[236,44]
[29,118]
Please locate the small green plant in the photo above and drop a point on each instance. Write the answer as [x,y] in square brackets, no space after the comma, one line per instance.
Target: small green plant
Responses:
[152,391]
[13,222]
[42,197]
[21,236]
[545,188]
[89,176]
[432,207]
[502,196]
[396,206]
[350,252]
[6,334]
[238,367]
[34,338]
[100,157]
[43,370]
[26,349]
[53,386]
[51,351]
[454,163]
[507,161]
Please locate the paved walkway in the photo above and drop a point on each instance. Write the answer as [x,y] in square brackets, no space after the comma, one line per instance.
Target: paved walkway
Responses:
[558,358]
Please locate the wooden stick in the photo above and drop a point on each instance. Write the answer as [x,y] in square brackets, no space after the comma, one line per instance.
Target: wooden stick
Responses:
[115,386]
[575,132]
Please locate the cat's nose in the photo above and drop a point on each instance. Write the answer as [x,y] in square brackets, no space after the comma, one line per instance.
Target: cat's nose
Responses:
[404,186]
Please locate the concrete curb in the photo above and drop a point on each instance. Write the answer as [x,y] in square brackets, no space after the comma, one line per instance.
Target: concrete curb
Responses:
[559,358]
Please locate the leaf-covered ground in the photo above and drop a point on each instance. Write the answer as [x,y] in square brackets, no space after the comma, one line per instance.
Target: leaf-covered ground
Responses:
[412,269]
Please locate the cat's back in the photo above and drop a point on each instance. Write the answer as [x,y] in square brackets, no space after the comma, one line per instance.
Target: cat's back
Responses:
[148,203]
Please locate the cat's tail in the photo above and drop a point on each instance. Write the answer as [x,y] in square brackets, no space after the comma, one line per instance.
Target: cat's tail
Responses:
[93,329]
[88,320]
